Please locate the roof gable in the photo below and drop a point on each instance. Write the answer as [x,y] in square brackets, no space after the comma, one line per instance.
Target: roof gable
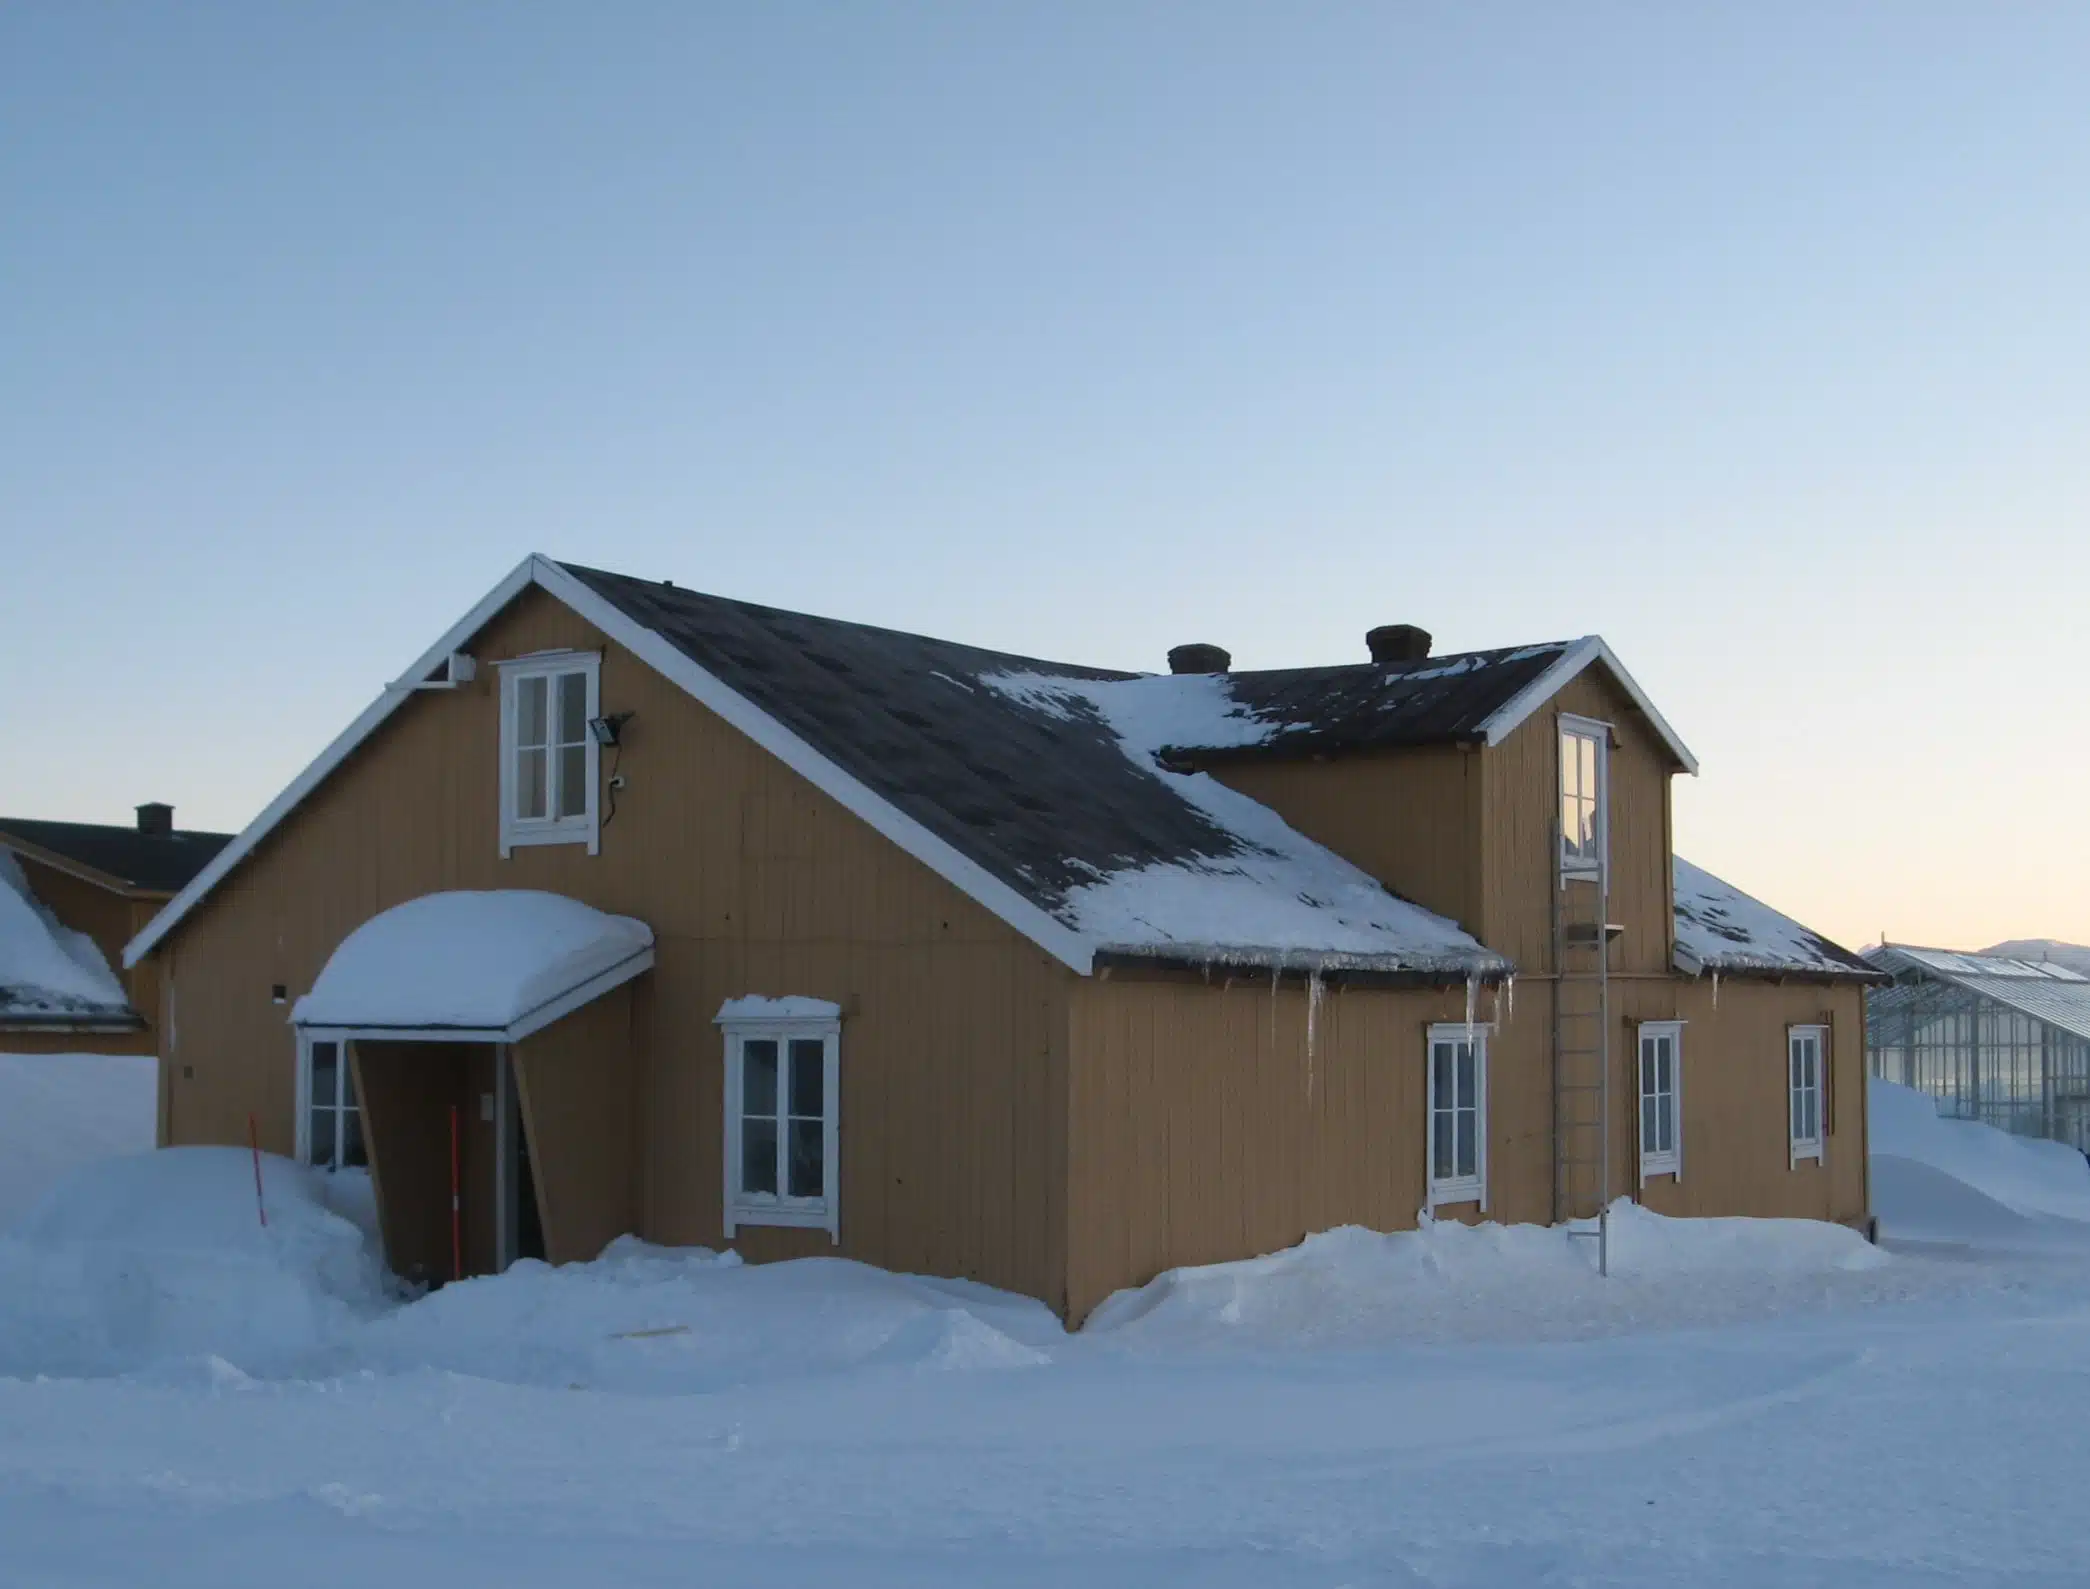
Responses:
[1044,791]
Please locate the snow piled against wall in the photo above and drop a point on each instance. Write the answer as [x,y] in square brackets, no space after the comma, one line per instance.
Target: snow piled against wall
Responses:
[159,1264]
[46,968]
[1447,1281]
[1281,896]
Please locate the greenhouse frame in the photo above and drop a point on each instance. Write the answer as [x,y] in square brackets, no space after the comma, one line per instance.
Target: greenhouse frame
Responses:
[2005,1042]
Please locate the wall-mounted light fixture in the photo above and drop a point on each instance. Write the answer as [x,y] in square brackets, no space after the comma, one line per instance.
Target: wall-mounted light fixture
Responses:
[609,730]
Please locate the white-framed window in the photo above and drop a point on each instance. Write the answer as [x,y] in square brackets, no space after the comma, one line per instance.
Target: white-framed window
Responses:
[549,758]
[783,1120]
[1585,775]
[330,1123]
[1661,1094]
[1805,1050]
[1458,1115]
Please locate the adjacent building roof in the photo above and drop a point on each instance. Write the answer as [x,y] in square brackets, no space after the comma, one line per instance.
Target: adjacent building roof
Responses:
[120,857]
[497,964]
[1054,794]
[50,975]
[1720,929]
[2045,991]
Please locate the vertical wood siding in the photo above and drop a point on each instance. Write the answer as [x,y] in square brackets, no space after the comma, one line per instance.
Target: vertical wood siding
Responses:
[953,1049]
[577,1082]
[1520,806]
[1202,1128]
[1411,818]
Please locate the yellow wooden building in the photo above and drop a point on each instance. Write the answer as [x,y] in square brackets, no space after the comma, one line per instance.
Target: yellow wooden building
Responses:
[718,923]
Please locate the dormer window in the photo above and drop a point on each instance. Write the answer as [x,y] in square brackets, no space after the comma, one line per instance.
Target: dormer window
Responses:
[1584,788]
[548,757]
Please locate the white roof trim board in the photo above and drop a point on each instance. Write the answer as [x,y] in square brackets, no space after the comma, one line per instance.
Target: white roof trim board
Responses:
[1068,944]
[1590,648]
[489,966]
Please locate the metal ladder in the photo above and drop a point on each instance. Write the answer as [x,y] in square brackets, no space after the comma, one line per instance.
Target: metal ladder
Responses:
[1582,1051]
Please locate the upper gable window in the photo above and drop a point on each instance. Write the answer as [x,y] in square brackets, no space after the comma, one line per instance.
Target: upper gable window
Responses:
[1585,776]
[548,756]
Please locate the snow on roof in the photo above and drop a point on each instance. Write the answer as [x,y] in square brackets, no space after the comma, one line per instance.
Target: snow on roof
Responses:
[48,972]
[1720,928]
[503,963]
[1278,897]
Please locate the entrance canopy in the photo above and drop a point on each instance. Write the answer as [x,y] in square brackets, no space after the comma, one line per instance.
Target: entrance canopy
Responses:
[472,967]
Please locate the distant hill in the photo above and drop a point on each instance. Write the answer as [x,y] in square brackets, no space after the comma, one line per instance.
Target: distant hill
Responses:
[2075,956]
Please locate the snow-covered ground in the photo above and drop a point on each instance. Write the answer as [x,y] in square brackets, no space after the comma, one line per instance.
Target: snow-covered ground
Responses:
[196,1400]
[59,1111]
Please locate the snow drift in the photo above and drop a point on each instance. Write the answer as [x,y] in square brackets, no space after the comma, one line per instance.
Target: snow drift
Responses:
[137,1264]
[1963,1182]
[163,1255]
[59,1111]
[1354,1287]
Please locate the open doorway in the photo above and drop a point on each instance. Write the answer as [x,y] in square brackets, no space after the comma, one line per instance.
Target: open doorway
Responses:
[520,1232]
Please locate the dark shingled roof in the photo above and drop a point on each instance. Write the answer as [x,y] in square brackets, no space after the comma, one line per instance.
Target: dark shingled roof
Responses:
[156,863]
[1041,794]
[1378,706]
[1043,801]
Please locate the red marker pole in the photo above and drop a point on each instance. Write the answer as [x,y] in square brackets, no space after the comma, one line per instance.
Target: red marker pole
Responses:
[254,1142]
[456,1206]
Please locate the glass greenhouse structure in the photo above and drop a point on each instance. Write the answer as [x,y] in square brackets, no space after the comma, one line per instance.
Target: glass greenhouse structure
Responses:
[2005,1042]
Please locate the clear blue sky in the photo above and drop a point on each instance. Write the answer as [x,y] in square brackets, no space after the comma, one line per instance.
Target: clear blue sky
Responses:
[1756,338]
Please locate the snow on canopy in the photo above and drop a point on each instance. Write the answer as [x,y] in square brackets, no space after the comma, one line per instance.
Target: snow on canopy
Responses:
[49,972]
[492,961]
[1720,928]
[1275,897]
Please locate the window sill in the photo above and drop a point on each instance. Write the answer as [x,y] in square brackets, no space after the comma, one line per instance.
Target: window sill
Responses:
[1812,1152]
[1453,1195]
[1650,1168]
[803,1217]
[570,832]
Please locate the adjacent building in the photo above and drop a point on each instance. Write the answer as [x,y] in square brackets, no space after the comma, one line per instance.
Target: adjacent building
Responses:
[72,894]
[629,908]
[1990,1037]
